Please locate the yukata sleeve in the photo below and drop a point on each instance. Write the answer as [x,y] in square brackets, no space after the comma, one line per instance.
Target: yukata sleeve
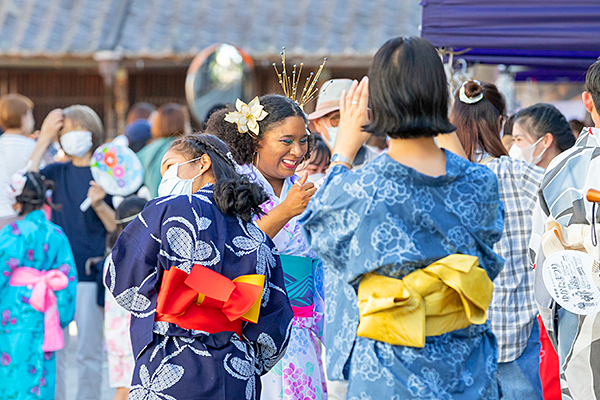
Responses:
[8,260]
[271,335]
[64,261]
[332,217]
[487,230]
[132,264]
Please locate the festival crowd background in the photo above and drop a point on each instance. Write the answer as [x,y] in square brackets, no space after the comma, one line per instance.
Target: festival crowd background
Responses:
[45,175]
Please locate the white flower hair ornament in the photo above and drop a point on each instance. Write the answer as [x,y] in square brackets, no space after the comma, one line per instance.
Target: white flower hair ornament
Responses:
[247,116]
[462,95]
[14,187]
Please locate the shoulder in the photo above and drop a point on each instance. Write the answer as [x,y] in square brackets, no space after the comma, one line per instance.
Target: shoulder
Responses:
[201,202]
[55,169]
[517,168]
[468,171]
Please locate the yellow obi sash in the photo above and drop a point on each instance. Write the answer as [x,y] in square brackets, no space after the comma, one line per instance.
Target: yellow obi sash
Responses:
[450,294]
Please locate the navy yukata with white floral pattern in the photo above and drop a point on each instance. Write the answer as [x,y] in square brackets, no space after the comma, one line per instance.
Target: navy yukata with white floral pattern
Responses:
[176,363]
[392,220]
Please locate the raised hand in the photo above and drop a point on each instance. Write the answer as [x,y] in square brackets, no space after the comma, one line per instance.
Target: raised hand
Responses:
[298,196]
[354,115]
[51,126]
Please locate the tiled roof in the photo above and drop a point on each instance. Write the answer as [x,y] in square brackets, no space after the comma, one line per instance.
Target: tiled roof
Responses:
[181,28]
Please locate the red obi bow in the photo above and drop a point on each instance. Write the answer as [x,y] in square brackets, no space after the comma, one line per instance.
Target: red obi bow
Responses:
[208,301]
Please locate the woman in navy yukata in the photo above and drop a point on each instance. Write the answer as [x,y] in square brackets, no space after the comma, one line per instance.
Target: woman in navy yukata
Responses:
[204,285]
[406,242]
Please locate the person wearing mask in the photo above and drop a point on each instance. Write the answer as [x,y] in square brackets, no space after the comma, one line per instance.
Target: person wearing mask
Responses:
[204,285]
[546,124]
[172,121]
[563,209]
[16,145]
[317,165]
[396,234]
[38,282]
[79,131]
[325,119]
[478,112]
[270,157]
[540,133]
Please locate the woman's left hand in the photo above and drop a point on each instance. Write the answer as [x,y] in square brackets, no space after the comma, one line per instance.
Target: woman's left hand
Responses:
[354,114]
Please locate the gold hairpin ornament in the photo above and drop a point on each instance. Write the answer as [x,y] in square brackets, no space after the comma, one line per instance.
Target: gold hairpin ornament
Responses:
[289,84]
[247,116]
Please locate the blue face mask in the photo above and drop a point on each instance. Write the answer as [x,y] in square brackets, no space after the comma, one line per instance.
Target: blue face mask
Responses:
[172,185]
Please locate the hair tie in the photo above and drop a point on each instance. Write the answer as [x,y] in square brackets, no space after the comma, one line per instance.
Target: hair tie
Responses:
[462,96]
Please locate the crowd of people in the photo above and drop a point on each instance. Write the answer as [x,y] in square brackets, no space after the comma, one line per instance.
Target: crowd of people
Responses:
[388,245]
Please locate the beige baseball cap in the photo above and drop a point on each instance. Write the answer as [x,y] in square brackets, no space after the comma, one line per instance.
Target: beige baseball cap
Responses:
[329,97]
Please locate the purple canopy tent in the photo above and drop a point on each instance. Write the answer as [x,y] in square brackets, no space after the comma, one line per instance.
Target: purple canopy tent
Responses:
[557,36]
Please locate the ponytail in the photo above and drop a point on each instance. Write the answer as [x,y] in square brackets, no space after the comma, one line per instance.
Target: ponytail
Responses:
[234,194]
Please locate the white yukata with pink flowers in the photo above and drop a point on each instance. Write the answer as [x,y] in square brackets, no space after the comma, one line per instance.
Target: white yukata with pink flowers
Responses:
[118,342]
[300,373]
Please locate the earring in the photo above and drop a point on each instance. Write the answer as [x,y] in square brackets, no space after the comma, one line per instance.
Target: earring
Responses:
[257,156]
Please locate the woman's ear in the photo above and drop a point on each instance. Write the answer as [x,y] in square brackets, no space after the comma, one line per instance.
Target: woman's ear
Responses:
[548,140]
[205,163]
[588,102]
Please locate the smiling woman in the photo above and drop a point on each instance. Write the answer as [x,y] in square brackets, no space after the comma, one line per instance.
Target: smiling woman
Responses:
[270,154]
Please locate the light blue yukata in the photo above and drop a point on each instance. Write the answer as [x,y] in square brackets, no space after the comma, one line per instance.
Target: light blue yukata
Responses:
[392,220]
[26,372]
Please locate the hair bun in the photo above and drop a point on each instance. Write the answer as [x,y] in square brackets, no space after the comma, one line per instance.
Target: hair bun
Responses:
[473,89]
[470,92]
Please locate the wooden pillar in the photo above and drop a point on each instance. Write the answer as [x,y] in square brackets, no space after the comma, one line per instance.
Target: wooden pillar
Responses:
[121,92]
[108,65]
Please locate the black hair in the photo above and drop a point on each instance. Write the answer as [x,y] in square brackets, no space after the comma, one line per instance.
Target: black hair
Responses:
[408,90]
[33,197]
[320,152]
[478,123]
[508,126]
[542,118]
[129,207]
[592,83]
[234,194]
[243,146]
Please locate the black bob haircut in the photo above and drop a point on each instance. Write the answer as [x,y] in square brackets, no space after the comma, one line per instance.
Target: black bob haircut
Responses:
[592,83]
[408,91]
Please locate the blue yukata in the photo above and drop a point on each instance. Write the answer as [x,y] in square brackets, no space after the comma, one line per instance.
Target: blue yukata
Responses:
[26,371]
[187,237]
[392,220]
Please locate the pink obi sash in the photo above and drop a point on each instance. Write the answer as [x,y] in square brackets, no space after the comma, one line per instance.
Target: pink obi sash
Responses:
[303,312]
[43,299]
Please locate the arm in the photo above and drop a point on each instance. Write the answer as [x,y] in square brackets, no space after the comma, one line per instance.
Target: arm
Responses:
[353,116]
[294,204]
[103,211]
[450,142]
[49,132]
[274,221]
[65,299]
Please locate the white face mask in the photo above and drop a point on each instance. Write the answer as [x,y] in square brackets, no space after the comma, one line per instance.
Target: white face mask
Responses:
[314,178]
[526,153]
[76,143]
[173,185]
[333,131]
